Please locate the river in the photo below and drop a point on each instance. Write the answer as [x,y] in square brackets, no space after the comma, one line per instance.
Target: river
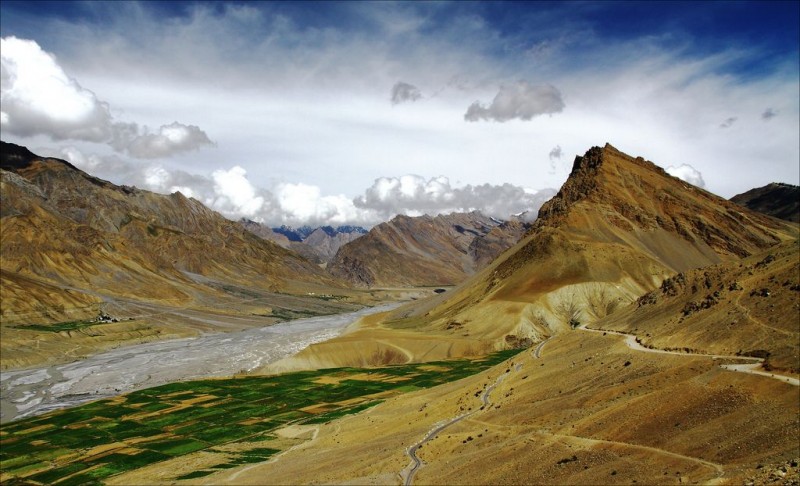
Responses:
[24,393]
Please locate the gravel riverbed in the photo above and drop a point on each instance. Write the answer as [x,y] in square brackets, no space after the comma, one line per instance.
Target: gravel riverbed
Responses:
[29,392]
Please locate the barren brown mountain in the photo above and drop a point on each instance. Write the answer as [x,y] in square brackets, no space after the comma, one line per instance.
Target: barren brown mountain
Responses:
[661,326]
[424,251]
[776,199]
[617,228]
[73,245]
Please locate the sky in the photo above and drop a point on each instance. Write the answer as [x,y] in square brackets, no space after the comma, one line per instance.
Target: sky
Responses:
[352,112]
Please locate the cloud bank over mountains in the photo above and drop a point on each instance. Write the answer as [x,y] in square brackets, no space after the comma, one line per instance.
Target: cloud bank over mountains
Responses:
[232,193]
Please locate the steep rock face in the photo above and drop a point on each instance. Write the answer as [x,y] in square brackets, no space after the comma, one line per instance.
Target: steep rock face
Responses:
[486,248]
[425,250]
[87,239]
[775,199]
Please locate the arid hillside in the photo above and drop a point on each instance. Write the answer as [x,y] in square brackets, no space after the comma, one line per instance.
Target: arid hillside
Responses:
[583,408]
[776,199]
[424,251]
[72,245]
[661,346]
[617,228]
[749,307]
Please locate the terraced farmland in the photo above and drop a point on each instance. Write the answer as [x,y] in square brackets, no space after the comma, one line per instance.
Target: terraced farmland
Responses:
[233,418]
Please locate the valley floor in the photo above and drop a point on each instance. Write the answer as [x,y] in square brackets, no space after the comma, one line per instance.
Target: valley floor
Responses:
[37,390]
[589,410]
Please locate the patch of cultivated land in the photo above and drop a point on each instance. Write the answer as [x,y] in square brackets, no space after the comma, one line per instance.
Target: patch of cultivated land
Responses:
[589,410]
[194,429]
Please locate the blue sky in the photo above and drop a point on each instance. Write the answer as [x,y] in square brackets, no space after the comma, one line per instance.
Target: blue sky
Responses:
[335,112]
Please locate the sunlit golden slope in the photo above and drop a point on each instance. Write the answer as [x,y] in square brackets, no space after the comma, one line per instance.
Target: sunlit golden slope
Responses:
[72,245]
[624,247]
[63,227]
[617,228]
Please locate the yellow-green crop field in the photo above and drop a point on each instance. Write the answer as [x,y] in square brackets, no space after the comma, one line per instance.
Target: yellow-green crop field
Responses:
[90,443]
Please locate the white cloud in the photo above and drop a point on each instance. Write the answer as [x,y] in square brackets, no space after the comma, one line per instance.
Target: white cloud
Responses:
[303,204]
[555,153]
[168,140]
[413,194]
[728,122]
[234,194]
[297,101]
[403,92]
[231,192]
[687,173]
[521,101]
[39,98]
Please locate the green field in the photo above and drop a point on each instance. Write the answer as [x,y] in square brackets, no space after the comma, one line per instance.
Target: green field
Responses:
[61,326]
[92,442]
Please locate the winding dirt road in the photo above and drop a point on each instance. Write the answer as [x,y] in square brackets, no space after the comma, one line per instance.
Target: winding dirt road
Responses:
[750,368]
[415,464]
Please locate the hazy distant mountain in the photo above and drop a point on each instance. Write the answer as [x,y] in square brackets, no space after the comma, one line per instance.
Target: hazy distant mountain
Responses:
[327,240]
[318,245]
[776,199]
[425,251]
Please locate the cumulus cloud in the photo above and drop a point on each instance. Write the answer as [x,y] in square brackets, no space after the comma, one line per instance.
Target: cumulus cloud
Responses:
[167,140]
[234,195]
[413,195]
[687,173]
[402,92]
[521,101]
[728,122]
[305,204]
[769,114]
[39,98]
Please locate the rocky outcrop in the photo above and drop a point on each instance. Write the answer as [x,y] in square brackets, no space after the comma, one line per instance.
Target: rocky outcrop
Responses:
[326,241]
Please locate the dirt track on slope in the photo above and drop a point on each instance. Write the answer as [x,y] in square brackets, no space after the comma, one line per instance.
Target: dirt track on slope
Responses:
[751,368]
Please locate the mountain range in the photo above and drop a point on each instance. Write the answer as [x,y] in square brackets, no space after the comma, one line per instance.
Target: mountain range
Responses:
[656,325]
[318,245]
[616,229]
[634,296]
[74,246]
